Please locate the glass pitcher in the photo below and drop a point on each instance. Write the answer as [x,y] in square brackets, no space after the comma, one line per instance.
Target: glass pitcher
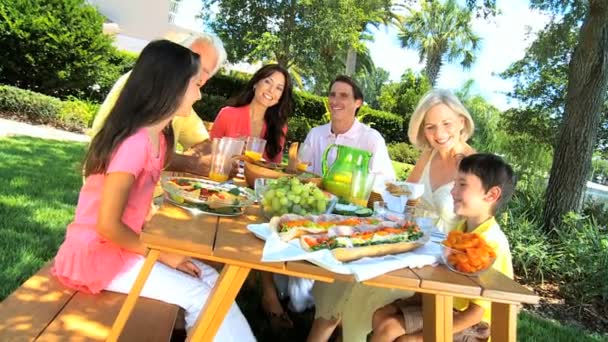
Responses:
[337,178]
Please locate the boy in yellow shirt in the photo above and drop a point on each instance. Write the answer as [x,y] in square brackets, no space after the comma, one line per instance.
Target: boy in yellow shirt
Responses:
[483,185]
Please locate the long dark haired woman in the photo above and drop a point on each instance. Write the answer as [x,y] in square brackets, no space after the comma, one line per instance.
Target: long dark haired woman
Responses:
[261,110]
[102,250]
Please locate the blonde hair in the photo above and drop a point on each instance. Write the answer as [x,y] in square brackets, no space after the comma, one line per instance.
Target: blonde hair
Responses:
[434,97]
[188,38]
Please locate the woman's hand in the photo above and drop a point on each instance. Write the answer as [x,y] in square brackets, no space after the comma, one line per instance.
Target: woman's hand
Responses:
[180,262]
[190,268]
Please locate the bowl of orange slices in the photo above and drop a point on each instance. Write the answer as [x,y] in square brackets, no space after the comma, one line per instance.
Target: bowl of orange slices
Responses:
[467,253]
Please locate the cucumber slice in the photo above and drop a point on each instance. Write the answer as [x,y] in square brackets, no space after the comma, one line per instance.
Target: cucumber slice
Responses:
[364,212]
[346,209]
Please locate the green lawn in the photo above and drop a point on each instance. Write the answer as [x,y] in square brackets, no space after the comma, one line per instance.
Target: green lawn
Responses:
[39,184]
[402,170]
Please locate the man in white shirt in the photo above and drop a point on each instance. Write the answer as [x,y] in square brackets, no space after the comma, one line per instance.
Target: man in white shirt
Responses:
[345,99]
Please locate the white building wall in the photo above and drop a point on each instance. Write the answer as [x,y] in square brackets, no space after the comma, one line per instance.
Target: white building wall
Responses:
[143,19]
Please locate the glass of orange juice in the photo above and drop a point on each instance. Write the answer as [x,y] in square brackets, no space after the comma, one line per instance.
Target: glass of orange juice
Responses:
[223,150]
[254,148]
[361,187]
[304,156]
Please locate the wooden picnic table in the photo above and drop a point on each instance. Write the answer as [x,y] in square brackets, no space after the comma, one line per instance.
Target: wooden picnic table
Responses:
[226,240]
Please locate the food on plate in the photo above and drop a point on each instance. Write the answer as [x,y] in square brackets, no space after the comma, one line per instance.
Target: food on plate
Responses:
[397,190]
[289,195]
[468,252]
[413,191]
[212,194]
[292,226]
[358,244]
[349,238]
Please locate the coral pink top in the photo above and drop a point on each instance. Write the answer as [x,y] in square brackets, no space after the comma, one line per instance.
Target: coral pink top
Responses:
[234,122]
[86,261]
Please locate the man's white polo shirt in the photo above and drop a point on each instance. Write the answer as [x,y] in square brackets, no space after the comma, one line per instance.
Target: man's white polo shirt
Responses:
[358,136]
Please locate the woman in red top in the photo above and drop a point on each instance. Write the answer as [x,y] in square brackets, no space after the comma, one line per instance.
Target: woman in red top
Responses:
[261,110]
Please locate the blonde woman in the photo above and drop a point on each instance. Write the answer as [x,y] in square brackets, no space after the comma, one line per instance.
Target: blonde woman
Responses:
[440,127]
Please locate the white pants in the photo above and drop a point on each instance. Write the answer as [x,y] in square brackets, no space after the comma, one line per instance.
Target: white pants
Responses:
[172,286]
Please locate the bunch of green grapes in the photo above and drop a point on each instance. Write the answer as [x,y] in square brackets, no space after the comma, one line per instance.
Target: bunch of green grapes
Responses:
[288,195]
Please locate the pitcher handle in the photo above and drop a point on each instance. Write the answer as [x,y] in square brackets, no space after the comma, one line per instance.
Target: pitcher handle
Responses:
[324,160]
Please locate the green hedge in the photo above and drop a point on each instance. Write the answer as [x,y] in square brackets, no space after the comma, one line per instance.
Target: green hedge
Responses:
[388,124]
[57,47]
[403,152]
[309,110]
[34,107]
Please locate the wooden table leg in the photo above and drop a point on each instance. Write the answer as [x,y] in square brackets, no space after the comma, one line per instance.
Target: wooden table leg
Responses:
[129,304]
[437,317]
[220,299]
[504,322]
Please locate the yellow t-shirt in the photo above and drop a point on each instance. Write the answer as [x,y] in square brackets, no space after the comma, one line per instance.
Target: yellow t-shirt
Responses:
[188,130]
[491,232]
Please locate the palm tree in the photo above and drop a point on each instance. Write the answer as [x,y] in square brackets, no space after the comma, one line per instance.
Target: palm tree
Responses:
[440,31]
[376,13]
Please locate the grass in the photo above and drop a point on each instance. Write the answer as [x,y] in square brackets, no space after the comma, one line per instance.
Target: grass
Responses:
[532,328]
[39,184]
[402,170]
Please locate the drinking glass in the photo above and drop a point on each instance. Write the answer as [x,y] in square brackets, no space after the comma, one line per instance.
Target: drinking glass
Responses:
[380,208]
[223,150]
[361,187]
[259,186]
[304,157]
[254,148]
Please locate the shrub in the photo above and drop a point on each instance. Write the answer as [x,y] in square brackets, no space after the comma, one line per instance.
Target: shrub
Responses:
[584,264]
[224,85]
[209,105]
[77,114]
[298,128]
[121,63]
[402,170]
[28,104]
[43,109]
[403,152]
[575,257]
[531,248]
[310,106]
[388,124]
[55,47]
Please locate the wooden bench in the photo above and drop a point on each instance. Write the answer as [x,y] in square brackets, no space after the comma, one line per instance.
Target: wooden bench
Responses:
[42,309]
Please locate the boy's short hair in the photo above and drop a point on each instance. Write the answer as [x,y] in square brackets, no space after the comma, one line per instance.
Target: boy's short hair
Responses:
[493,171]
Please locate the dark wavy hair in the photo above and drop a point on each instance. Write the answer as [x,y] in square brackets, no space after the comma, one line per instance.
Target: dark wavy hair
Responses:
[275,116]
[153,92]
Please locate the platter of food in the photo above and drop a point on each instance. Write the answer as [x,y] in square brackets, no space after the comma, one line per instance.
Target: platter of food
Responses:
[349,238]
[207,196]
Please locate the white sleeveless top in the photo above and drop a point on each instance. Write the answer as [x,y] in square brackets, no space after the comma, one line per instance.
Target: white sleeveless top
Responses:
[439,201]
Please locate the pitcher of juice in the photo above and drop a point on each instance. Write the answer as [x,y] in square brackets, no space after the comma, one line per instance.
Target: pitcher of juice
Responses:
[349,160]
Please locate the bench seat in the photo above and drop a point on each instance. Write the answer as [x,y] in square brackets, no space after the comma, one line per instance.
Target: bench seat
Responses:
[42,309]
